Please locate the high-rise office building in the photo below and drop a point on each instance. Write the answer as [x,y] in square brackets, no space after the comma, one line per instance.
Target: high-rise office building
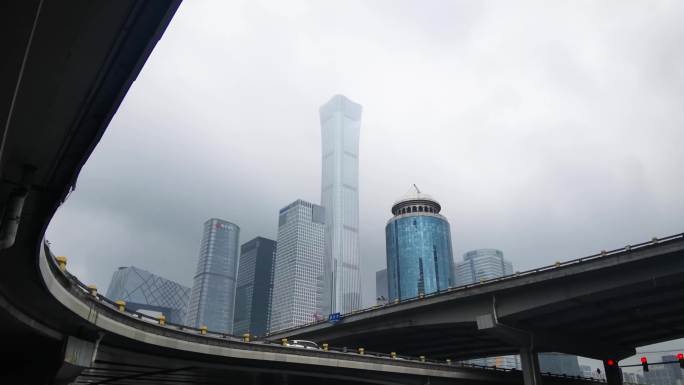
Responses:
[213,290]
[418,245]
[143,290]
[254,287]
[481,264]
[298,271]
[381,296]
[340,127]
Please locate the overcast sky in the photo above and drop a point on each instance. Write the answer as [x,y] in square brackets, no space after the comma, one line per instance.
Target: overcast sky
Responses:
[549,130]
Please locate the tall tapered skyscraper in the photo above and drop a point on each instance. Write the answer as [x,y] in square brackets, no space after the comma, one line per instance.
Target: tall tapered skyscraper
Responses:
[213,289]
[340,126]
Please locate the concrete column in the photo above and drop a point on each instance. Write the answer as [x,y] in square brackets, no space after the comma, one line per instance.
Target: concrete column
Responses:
[529,362]
[78,355]
[613,373]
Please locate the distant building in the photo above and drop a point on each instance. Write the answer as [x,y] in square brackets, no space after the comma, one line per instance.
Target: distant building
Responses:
[586,371]
[254,287]
[213,290]
[559,363]
[381,287]
[667,374]
[631,378]
[298,272]
[481,264]
[418,245]
[340,127]
[143,290]
[675,372]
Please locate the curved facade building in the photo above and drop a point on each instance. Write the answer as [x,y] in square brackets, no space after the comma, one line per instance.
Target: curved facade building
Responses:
[418,244]
[213,290]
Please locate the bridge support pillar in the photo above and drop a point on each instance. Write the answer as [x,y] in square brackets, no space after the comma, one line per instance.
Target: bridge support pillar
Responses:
[78,355]
[529,362]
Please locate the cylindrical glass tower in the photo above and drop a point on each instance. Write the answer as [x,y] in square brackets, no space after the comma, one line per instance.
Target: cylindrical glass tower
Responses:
[418,244]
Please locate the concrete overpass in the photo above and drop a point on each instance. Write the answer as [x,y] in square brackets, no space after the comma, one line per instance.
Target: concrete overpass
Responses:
[66,68]
[601,306]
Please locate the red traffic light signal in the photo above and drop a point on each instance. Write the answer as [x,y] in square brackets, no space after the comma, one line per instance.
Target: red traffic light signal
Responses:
[644,364]
[680,358]
[610,362]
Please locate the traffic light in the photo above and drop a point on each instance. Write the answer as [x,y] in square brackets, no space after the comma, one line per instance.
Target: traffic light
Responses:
[680,358]
[644,364]
[613,372]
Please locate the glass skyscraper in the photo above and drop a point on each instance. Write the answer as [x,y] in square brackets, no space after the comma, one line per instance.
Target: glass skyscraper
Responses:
[213,290]
[143,290]
[340,127]
[254,287]
[298,273]
[481,264]
[418,244]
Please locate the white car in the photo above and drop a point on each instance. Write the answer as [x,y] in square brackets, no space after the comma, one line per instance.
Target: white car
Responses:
[304,344]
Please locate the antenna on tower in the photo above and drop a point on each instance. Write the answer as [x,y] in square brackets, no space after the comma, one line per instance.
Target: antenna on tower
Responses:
[416,187]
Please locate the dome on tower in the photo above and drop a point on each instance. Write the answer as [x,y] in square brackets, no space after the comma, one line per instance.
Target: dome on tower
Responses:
[415,201]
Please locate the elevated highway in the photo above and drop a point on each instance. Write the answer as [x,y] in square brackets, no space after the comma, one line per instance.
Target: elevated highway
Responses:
[601,306]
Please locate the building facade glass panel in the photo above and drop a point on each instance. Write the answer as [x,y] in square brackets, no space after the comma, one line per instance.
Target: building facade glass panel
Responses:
[298,276]
[340,128]
[213,291]
[254,287]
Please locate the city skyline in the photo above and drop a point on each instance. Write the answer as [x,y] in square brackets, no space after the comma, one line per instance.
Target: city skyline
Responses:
[506,161]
